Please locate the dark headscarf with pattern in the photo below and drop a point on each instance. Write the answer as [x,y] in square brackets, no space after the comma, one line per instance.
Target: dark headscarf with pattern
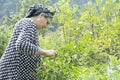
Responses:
[36,9]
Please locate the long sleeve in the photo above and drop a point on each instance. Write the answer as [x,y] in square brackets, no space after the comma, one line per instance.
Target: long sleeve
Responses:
[25,41]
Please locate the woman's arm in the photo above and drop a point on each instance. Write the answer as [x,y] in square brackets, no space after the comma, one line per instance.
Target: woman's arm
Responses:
[48,53]
[24,43]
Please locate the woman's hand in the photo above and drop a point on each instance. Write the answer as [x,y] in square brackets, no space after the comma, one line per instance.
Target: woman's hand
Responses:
[48,53]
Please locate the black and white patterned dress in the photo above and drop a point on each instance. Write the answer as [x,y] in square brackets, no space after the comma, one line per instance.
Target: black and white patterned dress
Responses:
[19,61]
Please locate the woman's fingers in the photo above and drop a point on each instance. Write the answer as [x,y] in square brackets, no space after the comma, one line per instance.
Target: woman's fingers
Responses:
[54,54]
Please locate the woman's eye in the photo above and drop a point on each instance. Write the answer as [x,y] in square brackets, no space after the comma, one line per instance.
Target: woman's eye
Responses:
[48,22]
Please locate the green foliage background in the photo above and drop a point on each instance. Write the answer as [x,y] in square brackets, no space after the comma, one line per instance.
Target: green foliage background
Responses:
[87,40]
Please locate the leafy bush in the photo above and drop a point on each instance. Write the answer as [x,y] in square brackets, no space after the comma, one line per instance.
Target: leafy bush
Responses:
[87,41]
[4,38]
[86,44]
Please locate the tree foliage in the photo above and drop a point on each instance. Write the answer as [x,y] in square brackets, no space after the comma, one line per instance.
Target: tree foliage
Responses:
[87,41]
[7,6]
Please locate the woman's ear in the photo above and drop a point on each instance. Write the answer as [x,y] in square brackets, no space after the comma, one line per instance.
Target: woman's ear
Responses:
[42,14]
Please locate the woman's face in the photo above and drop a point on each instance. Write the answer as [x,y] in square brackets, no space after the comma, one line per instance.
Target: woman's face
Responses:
[42,21]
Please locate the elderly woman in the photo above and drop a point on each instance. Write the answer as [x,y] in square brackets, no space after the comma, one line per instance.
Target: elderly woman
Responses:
[19,61]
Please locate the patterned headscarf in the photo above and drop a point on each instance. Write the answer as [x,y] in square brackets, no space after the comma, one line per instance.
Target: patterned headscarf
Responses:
[36,9]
